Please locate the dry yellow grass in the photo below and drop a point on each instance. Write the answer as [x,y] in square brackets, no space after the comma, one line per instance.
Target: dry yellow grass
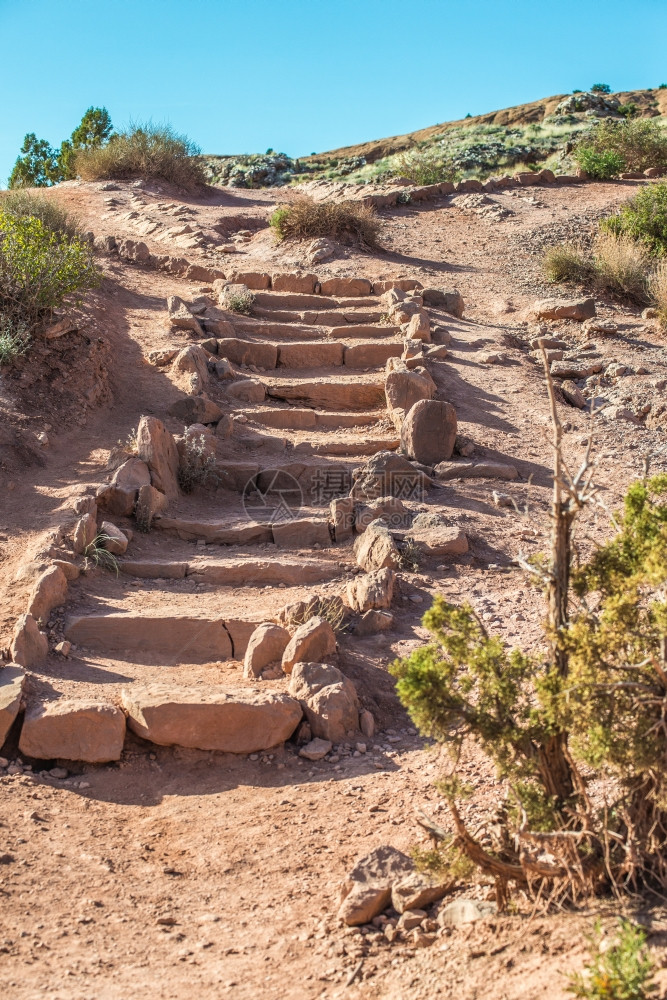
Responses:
[345,221]
[622,266]
[658,290]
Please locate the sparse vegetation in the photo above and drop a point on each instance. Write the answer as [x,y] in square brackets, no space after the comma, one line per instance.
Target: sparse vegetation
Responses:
[601,88]
[620,970]
[14,340]
[21,204]
[429,165]
[643,218]
[633,144]
[197,465]
[410,555]
[621,266]
[566,263]
[38,165]
[143,150]
[97,554]
[238,300]
[331,609]
[345,221]
[600,165]
[658,291]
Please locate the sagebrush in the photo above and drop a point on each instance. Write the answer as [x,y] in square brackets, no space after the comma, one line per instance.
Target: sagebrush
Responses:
[345,221]
[613,146]
[145,151]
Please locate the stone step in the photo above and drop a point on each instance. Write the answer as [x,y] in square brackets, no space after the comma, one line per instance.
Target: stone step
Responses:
[236,572]
[346,393]
[304,419]
[366,446]
[309,354]
[304,301]
[313,318]
[250,326]
[364,331]
[299,533]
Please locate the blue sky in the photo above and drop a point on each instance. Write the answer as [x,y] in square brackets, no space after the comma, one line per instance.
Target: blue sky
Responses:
[307,75]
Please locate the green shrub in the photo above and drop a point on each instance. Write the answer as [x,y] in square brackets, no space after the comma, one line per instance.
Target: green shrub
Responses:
[643,217]
[38,165]
[425,166]
[628,110]
[601,88]
[601,166]
[639,142]
[566,263]
[146,151]
[238,301]
[14,339]
[40,269]
[52,215]
[345,221]
[623,971]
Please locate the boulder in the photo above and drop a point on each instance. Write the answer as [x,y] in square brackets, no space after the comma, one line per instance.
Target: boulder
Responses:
[29,647]
[256,280]
[436,538]
[315,640]
[392,511]
[267,645]
[376,549]
[404,388]
[577,309]
[296,282]
[387,474]
[245,352]
[366,891]
[342,515]
[373,622]
[132,474]
[463,911]
[371,590]
[195,410]
[316,749]
[419,327]
[247,390]
[114,540]
[450,300]
[475,470]
[194,361]
[328,698]
[70,569]
[12,678]
[84,532]
[50,591]
[116,501]
[211,718]
[180,316]
[320,250]
[573,394]
[428,431]
[73,730]
[346,286]
[416,890]
[150,502]
[157,448]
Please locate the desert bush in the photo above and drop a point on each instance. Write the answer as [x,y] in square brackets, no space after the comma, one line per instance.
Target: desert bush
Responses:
[40,269]
[345,221]
[146,151]
[14,339]
[425,166]
[601,88]
[197,464]
[658,290]
[643,217]
[637,142]
[331,609]
[621,266]
[600,165]
[38,165]
[238,300]
[593,703]
[566,263]
[620,971]
[96,554]
[21,204]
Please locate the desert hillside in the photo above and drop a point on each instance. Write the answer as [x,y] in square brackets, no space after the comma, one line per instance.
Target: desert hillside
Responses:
[234,477]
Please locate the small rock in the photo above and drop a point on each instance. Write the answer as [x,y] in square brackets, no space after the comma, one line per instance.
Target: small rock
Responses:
[316,749]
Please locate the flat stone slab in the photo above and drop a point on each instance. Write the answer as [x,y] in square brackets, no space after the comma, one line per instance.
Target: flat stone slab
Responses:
[212,719]
[216,532]
[360,394]
[175,638]
[239,572]
[12,678]
[73,730]
[475,470]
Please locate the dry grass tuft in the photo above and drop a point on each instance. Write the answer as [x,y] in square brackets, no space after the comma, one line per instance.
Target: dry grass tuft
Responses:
[345,221]
[621,266]
[566,263]
[658,290]
[20,204]
[146,151]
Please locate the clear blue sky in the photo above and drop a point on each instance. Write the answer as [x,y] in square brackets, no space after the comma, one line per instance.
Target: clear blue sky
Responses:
[308,75]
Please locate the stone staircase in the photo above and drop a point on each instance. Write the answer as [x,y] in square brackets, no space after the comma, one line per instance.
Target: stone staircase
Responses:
[299,397]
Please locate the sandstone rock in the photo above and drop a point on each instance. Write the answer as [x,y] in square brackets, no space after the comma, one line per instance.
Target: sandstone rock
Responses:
[245,352]
[115,541]
[301,533]
[450,300]
[419,327]
[346,286]
[180,316]
[462,912]
[84,533]
[321,250]
[73,730]
[439,539]
[475,470]
[429,431]
[212,718]
[342,514]
[362,903]
[248,390]
[267,644]
[251,279]
[196,272]
[316,749]
[369,884]
[367,724]
[573,394]
[295,282]
[70,570]
[131,475]
[376,549]
[29,646]
[371,590]
[577,309]
[604,326]
[392,510]
[388,474]
[12,678]
[116,501]
[404,388]
[416,890]
[194,361]
[373,622]
[150,502]
[157,448]
[50,591]
[195,410]
[328,698]
[315,640]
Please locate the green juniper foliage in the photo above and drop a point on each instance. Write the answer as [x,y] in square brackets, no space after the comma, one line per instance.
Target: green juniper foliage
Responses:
[39,165]
[643,218]
[623,971]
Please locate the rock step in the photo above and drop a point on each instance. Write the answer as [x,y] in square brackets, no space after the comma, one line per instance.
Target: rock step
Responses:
[303,419]
[312,318]
[241,475]
[366,446]
[309,354]
[364,330]
[346,393]
[298,533]
[239,572]
[263,329]
[302,300]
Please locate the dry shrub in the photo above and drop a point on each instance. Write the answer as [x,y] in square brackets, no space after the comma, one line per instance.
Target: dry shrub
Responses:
[658,290]
[621,266]
[20,204]
[566,263]
[345,221]
[425,166]
[146,151]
